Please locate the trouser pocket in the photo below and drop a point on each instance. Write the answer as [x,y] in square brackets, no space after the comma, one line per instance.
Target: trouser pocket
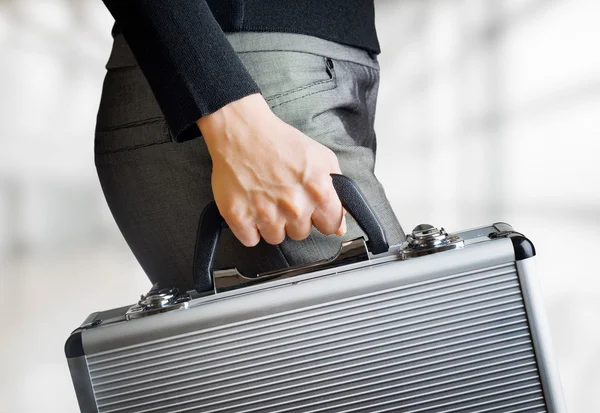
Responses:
[286,76]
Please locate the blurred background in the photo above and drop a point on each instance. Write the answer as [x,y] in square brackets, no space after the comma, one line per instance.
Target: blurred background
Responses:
[488,111]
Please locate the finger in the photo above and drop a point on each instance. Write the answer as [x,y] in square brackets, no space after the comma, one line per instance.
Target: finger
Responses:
[327,216]
[299,229]
[334,164]
[247,234]
[269,221]
[296,210]
[344,226]
[273,233]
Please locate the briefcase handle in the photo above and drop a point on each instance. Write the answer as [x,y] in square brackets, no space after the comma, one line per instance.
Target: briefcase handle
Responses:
[211,223]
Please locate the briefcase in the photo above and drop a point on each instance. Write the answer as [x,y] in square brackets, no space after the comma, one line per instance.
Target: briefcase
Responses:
[444,322]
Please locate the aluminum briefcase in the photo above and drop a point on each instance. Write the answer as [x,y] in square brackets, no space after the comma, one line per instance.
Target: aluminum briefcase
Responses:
[445,322]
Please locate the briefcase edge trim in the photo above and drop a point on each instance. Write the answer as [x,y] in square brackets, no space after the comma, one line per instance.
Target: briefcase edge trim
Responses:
[541,337]
[82,383]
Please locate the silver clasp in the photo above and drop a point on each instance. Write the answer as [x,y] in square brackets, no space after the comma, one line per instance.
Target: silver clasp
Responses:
[158,300]
[426,239]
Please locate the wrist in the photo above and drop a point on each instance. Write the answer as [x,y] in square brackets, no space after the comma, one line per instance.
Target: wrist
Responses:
[230,121]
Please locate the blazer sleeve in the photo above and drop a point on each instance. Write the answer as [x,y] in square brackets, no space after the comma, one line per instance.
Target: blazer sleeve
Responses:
[186,58]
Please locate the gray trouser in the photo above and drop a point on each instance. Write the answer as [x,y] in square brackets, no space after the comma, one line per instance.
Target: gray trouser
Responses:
[157,188]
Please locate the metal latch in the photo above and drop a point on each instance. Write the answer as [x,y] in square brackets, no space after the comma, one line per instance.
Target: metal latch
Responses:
[158,300]
[426,239]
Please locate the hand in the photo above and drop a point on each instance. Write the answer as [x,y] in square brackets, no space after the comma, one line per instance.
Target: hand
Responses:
[268,178]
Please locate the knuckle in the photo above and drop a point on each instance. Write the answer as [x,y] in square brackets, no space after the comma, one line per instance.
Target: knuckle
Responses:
[234,220]
[264,214]
[327,152]
[298,210]
[292,205]
[320,189]
[294,212]
[234,214]
[332,159]
[265,211]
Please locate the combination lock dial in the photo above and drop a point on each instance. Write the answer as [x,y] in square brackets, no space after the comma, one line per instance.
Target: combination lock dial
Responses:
[426,239]
[158,300]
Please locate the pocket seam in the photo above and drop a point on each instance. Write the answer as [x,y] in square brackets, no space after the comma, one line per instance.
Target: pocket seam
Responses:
[308,94]
[132,148]
[133,124]
[298,89]
[165,139]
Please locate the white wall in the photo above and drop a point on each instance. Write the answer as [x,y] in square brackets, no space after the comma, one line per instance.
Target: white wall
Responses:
[488,111]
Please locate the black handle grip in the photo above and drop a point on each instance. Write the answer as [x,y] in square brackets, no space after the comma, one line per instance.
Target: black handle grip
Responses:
[354,201]
[211,224]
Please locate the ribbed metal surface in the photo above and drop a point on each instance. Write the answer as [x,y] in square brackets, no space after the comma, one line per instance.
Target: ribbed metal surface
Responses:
[456,344]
